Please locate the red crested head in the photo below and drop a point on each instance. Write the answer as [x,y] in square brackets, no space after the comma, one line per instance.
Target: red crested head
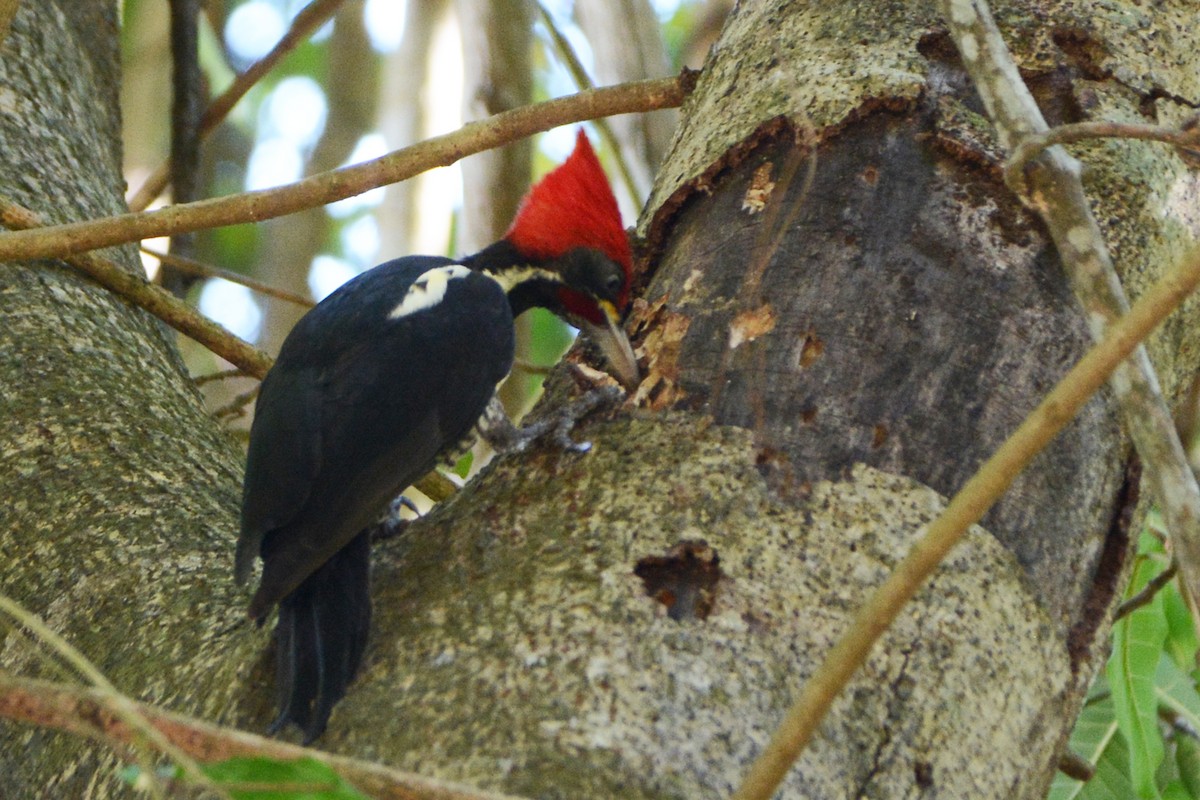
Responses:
[573,206]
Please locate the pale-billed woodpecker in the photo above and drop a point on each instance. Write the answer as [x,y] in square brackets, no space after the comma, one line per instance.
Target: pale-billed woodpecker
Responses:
[378,383]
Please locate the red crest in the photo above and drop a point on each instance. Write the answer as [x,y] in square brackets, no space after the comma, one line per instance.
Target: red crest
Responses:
[573,206]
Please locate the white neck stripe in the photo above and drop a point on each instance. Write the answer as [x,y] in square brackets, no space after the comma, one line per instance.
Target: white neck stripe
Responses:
[509,279]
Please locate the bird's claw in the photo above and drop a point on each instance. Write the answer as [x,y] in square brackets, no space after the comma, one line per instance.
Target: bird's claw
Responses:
[555,429]
[391,524]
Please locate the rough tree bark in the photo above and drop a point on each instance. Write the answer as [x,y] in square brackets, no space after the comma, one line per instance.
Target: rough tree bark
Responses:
[827,357]
[118,494]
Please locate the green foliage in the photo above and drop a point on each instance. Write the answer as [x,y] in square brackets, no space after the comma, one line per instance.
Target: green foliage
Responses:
[1097,739]
[1139,725]
[267,779]
[462,467]
[1138,640]
[678,30]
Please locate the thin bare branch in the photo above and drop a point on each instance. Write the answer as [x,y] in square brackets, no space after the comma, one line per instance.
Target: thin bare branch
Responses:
[1051,187]
[236,408]
[193,267]
[222,375]
[1187,140]
[85,712]
[966,508]
[326,187]
[1152,587]
[313,16]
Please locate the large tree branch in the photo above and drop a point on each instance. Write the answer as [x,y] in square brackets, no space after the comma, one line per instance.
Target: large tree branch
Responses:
[965,509]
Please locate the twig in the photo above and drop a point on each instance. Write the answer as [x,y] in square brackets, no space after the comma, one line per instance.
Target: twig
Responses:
[327,187]
[194,267]
[1076,766]
[1052,188]
[1186,139]
[151,298]
[223,375]
[313,16]
[117,705]
[85,712]
[236,408]
[972,501]
[1152,587]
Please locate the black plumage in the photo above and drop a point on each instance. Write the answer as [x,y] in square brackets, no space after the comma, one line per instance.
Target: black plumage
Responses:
[352,412]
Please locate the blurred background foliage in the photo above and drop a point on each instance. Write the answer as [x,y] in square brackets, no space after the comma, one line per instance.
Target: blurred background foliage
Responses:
[380,75]
[383,74]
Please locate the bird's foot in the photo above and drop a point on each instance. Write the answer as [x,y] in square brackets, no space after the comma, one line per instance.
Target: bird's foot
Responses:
[555,429]
[391,524]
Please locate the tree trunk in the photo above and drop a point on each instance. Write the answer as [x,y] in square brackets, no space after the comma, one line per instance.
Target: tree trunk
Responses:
[845,312]
[119,497]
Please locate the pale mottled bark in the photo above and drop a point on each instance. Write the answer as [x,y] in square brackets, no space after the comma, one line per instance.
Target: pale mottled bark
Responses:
[1051,186]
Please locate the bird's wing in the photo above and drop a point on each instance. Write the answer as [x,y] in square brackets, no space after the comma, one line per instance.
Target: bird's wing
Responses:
[283,459]
[376,416]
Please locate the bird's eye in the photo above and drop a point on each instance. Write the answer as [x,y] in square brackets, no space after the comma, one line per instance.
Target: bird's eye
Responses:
[613,284]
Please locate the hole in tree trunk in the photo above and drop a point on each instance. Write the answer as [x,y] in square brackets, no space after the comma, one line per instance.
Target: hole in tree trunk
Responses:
[684,579]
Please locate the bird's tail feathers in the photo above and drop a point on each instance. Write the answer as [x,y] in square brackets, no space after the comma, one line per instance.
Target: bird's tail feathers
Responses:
[320,638]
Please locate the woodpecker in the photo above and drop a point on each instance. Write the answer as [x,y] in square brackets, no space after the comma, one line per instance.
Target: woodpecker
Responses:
[381,380]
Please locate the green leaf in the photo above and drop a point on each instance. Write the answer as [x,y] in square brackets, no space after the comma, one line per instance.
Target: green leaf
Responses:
[1181,633]
[1097,739]
[267,779]
[550,337]
[1176,791]
[1177,691]
[1187,759]
[462,467]
[1138,640]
